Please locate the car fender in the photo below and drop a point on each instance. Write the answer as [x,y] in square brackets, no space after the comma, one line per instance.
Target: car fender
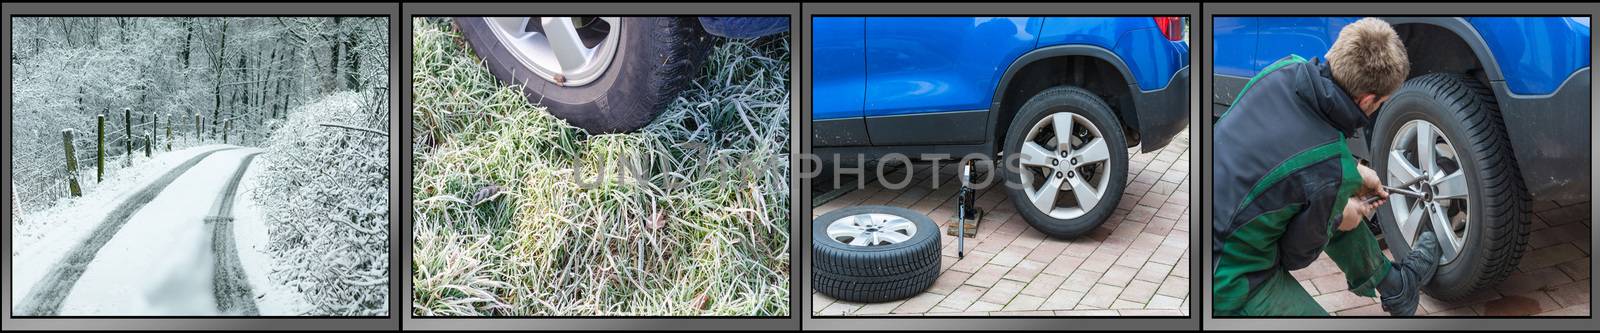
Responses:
[1159,132]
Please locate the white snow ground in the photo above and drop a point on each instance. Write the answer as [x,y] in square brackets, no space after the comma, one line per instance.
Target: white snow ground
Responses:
[161,261]
[40,239]
[273,298]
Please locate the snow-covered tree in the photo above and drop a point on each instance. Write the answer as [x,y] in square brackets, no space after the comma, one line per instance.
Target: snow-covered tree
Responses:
[237,74]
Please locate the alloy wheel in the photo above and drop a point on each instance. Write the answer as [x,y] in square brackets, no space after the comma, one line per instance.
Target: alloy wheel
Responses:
[1424,161]
[871,229]
[569,51]
[1063,160]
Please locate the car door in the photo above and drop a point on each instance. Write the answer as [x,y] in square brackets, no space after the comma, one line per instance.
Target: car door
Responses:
[1278,37]
[930,80]
[838,77]
[1234,46]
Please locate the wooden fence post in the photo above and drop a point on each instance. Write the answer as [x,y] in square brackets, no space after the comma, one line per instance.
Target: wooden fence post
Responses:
[150,135]
[72,163]
[100,148]
[169,132]
[127,142]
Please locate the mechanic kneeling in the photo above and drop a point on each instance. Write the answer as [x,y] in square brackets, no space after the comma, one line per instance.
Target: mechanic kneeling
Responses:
[1287,187]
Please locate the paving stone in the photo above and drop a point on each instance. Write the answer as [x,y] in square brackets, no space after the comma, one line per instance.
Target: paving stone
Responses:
[1062,299]
[1043,285]
[1002,292]
[1139,291]
[1134,264]
[1024,303]
[1118,276]
[1099,297]
[987,276]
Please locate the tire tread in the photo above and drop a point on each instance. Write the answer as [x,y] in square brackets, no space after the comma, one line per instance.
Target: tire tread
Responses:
[1505,199]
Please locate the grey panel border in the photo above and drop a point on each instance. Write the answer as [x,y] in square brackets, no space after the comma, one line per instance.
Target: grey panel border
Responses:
[1381,9]
[610,323]
[389,10]
[1008,323]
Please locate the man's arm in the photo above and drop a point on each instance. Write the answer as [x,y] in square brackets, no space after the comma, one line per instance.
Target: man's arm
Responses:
[1306,234]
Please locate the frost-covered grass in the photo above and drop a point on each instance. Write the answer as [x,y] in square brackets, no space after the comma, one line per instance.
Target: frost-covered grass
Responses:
[512,220]
[324,193]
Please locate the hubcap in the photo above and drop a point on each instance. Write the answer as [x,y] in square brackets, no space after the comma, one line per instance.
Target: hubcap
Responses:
[569,51]
[1424,158]
[1068,146]
[872,229]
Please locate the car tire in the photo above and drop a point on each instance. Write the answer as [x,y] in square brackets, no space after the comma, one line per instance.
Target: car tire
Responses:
[1110,175]
[874,273]
[656,58]
[1494,228]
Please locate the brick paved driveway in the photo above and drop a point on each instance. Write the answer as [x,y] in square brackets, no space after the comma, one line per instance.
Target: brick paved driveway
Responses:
[1136,264]
[1552,279]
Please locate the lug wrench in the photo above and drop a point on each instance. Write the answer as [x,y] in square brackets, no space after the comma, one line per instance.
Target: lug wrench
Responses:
[1371,199]
[1403,191]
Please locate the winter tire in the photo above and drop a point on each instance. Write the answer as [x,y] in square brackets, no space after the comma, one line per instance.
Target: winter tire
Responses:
[873,254]
[1065,188]
[1448,128]
[601,74]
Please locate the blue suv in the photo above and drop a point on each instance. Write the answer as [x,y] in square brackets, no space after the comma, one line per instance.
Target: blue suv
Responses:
[1065,95]
[1496,107]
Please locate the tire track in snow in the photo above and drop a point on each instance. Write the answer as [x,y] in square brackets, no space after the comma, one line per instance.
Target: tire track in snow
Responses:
[46,296]
[230,284]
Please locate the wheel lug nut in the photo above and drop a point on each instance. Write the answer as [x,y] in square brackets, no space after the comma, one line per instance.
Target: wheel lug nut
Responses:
[1073,161]
[1069,173]
[1055,162]
[1064,154]
[1060,175]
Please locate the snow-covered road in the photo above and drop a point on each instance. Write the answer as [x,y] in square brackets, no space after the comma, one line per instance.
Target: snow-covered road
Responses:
[163,259]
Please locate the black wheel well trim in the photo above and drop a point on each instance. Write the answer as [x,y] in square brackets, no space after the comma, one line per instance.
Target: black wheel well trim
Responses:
[1467,34]
[1046,53]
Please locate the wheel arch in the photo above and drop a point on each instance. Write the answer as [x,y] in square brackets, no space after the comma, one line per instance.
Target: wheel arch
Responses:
[1034,71]
[1439,44]
[1446,45]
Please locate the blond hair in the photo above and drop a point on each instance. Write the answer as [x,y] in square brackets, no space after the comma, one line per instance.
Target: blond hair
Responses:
[1368,58]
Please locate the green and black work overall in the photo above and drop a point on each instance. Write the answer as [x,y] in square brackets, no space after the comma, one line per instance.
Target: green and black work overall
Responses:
[1282,175]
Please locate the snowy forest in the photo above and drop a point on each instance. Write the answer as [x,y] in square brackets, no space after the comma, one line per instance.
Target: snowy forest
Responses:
[122,125]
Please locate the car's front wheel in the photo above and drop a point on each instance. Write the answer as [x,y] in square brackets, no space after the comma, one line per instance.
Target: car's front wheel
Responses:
[601,74]
[1441,136]
[1066,161]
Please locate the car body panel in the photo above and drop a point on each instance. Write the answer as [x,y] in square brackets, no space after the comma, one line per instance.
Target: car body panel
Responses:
[1150,57]
[1537,67]
[933,83]
[929,64]
[1234,45]
[1542,51]
[841,76]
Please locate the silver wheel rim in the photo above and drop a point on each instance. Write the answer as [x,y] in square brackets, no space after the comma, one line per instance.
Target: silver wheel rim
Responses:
[1421,151]
[1064,178]
[871,229]
[569,51]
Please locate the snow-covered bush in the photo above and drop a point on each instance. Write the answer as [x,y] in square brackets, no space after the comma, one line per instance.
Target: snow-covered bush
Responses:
[325,190]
